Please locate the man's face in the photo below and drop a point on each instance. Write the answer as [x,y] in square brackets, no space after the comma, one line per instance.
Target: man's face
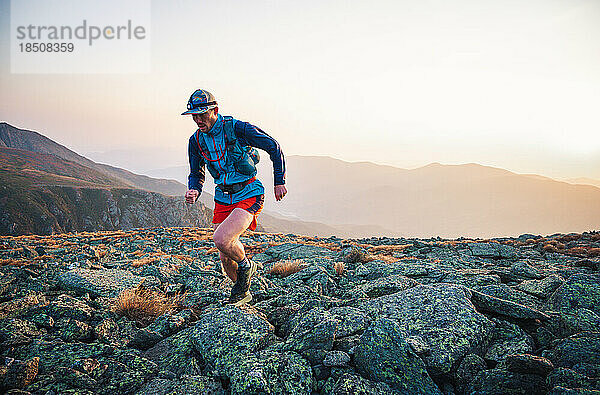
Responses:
[206,120]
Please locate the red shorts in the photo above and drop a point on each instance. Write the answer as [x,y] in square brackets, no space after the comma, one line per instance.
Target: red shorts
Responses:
[253,205]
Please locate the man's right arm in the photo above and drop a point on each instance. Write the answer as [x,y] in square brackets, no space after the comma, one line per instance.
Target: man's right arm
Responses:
[196,177]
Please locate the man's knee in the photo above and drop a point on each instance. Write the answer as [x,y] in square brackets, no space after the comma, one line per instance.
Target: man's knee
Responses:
[222,240]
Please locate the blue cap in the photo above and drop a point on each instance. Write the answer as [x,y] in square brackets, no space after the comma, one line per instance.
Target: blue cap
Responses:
[200,102]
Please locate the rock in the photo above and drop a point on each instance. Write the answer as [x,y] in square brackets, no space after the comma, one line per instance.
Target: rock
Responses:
[336,358]
[504,307]
[271,372]
[529,364]
[351,320]
[16,332]
[145,339]
[564,324]
[225,333]
[504,292]
[313,336]
[297,251]
[19,374]
[442,316]
[524,270]
[541,288]
[66,306]
[105,282]
[176,354]
[579,291]
[385,285]
[492,250]
[572,391]
[384,356]
[568,378]
[185,385]
[581,347]
[508,339]
[501,382]
[73,330]
[351,384]
[468,369]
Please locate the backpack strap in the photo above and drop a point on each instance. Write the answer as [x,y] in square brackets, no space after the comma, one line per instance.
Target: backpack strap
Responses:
[228,129]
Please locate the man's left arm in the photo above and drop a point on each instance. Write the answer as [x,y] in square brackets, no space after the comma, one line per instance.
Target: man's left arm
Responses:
[258,138]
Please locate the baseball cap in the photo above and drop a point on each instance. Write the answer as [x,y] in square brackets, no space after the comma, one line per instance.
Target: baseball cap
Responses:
[200,102]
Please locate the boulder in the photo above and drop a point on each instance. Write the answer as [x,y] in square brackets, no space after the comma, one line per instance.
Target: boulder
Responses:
[442,316]
[384,356]
[579,291]
[105,282]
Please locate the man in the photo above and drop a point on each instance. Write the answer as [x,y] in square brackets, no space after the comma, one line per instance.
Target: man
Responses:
[224,144]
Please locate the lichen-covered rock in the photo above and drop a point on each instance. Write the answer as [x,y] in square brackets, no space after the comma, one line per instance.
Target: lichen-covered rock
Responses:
[502,382]
[508,339]
[297,251]
[564,324]
[351,384]
[336,358]
[384,356]
[568,378]
[73,330]
[504,307]
[229,332]
[581,347]
[270,372]
[177,354]
[116,371]
[66,306]
[313,336]
[492,250]
[385,285]
[468,369]
[541,288]
[443,316]
[579,291]
[15,374]
[185,385]
[105,282]
[15,332]
[527,363]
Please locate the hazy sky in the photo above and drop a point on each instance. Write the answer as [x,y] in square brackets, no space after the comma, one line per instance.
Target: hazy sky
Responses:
[513,84]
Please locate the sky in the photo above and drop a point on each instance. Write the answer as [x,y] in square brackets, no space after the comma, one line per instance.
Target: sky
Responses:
[509,84]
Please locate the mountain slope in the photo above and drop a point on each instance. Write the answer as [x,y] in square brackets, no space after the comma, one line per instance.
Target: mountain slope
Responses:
[444,200]
[27,140]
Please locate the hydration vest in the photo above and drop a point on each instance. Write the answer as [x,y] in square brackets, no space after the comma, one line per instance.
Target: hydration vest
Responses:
[243,158]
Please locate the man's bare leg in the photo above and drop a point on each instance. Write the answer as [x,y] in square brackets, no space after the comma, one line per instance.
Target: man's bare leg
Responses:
[227,239]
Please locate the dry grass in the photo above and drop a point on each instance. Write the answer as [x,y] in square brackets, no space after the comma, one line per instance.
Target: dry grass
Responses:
[144,261]
[550,248]
[285,268]
[594,252]
[339,268]
[390,248]
[144,305]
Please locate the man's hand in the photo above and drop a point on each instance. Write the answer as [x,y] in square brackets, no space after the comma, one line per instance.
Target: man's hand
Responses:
[280,192]
[191,196]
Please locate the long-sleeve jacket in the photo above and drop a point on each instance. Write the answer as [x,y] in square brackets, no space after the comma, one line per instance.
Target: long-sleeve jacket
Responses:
[214,142]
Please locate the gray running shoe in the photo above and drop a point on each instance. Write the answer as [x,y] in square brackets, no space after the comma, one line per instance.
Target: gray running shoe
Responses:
[240,293]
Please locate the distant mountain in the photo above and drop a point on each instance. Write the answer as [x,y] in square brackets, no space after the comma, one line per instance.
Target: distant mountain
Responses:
[27,140]
[434,200]
[584,181]
[43,193]
[444,200]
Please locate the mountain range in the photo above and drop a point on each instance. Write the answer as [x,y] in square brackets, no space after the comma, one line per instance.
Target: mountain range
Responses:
[326,196]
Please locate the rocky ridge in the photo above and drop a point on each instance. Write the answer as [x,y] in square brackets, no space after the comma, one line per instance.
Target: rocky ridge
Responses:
[371,316]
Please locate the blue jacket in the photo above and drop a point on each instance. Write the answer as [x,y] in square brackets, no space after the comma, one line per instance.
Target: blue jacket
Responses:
[214,141]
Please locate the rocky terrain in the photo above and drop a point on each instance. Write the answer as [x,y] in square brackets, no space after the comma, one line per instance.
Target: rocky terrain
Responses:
[142,312]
